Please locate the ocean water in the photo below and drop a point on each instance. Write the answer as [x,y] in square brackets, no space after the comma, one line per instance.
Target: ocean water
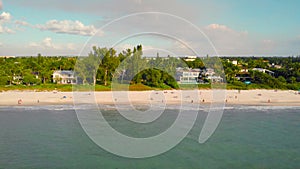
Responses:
[251,137]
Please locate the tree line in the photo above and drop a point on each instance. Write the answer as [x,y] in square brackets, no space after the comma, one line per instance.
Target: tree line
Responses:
[104,65]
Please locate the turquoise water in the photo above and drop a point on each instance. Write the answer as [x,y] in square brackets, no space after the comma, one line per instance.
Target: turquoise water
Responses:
[247,137]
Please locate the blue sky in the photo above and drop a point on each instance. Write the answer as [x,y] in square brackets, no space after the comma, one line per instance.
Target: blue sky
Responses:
[235,27]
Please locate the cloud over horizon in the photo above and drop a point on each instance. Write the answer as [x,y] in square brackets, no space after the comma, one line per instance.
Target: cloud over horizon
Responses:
[68,27]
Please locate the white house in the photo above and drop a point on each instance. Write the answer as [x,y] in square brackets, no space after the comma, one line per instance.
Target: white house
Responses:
[215,79]
[187,75]
[209,72]
[235,62]
[190,58]
[264,71]
[64,77]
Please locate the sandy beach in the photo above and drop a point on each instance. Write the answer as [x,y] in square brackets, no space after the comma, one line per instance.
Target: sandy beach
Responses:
[234,97]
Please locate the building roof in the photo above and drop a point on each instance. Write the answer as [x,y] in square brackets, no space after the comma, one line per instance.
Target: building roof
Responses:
[263,70]
[64,72]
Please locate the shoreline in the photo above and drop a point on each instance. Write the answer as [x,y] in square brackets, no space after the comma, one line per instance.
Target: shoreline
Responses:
[169,97]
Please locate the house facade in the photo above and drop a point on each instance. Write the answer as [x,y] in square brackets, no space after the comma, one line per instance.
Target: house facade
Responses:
[197,76]
[187,75]
[64,77]
[264,71]
[190,58]
[215,79]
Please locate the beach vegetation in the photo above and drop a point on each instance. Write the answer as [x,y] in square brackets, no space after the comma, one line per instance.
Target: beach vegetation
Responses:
[104,66]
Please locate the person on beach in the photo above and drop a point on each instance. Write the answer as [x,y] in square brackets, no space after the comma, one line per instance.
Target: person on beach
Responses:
[20,101]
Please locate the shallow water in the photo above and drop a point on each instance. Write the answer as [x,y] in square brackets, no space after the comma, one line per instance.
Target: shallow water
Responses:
[247,137]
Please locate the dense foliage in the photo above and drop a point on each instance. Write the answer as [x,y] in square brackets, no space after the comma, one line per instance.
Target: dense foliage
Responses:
[103,65]
[286,72]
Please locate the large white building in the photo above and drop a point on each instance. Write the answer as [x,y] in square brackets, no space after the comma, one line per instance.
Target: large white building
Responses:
[187,75]
[264,71]
[197,76]
[64,77]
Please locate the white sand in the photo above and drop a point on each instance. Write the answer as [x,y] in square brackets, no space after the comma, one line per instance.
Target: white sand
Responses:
[244,97]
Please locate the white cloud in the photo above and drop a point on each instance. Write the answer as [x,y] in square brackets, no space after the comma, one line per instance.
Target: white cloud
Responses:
[4,29]
[22,23]
[224,28]
[217,27]
[5,17]
[47,44]
[69,27]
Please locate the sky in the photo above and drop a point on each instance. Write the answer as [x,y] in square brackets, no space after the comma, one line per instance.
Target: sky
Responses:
[169,27]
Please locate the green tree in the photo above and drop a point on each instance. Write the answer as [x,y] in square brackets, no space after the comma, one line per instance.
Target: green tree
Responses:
[293,79]
[29,78]
[281,79]
[135,64]
[87,67]
[108,65]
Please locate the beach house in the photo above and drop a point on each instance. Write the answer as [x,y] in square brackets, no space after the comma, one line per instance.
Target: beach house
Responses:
[187,75]
[264,71]
[64,77]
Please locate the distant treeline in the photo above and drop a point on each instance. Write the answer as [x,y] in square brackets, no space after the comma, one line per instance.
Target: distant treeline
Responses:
[103,65]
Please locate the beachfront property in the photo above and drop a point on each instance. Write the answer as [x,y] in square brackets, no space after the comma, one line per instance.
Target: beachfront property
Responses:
[197,76]
[264,71]
[215,79]
[188,75]
[190,58]
[211,76]
[243,77]
[64,77]
[234,62]
[17,80]
[273,65]
[209,72]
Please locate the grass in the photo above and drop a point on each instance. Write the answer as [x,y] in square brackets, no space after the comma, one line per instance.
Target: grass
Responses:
[141,87]
[42,87]
[69,88]
[204,86]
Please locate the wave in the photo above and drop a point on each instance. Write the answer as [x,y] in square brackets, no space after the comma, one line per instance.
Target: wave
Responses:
[266,107]
[185,107]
